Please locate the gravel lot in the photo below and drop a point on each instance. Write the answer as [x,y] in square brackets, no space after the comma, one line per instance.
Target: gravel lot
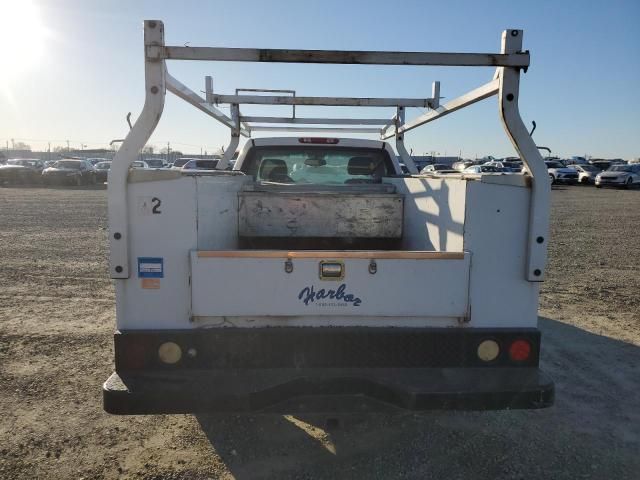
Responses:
[57,319]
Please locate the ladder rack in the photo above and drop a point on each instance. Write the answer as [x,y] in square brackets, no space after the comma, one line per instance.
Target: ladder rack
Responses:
[505,84]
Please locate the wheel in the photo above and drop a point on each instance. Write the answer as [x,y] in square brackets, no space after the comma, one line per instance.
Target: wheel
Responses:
[598,186]
[552,179]
[79,181]
[585,180]
[629,183]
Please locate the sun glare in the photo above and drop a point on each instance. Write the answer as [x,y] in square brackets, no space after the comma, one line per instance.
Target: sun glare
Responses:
[21,38]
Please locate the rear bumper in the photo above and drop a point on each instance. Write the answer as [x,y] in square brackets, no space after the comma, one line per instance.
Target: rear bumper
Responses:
[291,370]
[610,183]
[327,390]
[59,179]
[569,180]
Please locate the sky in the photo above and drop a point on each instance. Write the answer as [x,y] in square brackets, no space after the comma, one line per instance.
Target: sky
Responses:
[72,69]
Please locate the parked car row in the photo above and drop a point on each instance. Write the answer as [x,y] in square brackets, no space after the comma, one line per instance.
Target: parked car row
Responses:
[73,171]
[80,171]
[68,171]
[22,171]
[616,173]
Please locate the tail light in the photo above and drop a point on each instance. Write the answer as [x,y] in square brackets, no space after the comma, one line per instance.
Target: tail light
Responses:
[519,350]
[133,355]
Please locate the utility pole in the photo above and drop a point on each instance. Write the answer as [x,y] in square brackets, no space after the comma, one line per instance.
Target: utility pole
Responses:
[13,144]
[68,149]
[168,152]
[49,151]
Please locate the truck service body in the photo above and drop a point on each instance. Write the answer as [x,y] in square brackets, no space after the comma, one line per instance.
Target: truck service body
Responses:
[317,277]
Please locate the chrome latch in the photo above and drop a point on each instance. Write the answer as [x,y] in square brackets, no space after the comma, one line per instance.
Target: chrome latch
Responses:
[331,270]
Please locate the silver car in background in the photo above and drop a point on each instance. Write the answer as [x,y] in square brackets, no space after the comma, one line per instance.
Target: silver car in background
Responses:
[619,176]
[586,173]
[479,169]
[437,168]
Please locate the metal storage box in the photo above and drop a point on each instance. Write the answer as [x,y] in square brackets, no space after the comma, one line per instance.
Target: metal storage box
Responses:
[320,214]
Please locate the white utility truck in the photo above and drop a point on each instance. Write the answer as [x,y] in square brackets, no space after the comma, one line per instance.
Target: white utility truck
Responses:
[315,276]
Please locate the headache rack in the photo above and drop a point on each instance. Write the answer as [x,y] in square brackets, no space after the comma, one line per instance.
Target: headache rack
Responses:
[504,84]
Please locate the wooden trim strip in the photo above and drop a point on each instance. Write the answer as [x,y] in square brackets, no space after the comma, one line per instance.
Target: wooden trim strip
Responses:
[372,254]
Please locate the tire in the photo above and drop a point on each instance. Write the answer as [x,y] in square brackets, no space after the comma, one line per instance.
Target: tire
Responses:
[585,181]
[629,183]
[598,186]
[553,179]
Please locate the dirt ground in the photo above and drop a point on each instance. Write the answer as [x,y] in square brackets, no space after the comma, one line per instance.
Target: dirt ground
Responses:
[56,325]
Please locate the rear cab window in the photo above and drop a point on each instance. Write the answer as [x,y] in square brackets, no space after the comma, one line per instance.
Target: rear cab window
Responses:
[319,165]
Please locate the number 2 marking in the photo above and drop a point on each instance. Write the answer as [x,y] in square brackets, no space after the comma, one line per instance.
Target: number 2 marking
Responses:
[156,205]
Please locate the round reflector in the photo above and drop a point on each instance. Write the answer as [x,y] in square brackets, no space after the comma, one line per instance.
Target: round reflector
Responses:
[170,352]
[520,350]
[488,350]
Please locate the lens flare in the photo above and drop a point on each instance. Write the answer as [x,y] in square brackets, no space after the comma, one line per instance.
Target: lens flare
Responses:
[22,36]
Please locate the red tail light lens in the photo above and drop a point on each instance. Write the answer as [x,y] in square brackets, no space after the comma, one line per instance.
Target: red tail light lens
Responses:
[134,356]
[321,140]
[520,350]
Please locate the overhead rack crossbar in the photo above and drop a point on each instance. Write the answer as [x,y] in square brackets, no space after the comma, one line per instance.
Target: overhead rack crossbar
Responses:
[214,54]
[317,121]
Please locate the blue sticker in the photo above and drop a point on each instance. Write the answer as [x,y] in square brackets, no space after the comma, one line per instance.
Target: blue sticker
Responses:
[150,267]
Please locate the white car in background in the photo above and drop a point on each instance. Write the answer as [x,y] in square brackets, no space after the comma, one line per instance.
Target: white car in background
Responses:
[181,162]
[478,169]
[437,168]
[199,165]
[586,173]
[619,176]
[139,164]
[462,164]
[507,165]
[558,173]
[155,163]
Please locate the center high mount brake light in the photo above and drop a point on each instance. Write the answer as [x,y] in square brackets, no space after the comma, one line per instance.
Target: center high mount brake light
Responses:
[321,140]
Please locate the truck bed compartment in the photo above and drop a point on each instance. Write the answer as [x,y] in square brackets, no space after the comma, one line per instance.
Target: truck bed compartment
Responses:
[241,283]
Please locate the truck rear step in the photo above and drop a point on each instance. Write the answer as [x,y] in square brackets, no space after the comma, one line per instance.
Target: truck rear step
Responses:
[327,390]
